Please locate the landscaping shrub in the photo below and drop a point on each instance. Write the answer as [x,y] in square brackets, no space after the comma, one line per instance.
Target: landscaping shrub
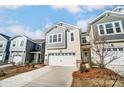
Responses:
[27,63]
[82,68]
[2,73]
[33,64]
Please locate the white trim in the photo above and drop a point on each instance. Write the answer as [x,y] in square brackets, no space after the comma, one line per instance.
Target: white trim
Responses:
[114,28]
[52,38]
[87,39]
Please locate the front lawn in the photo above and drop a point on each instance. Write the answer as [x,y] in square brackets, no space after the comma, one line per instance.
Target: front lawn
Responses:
[96,77]
[14,70]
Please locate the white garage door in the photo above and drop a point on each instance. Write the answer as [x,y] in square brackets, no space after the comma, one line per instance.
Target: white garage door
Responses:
[17,58]
[1,57]
[62,59]
[119,60]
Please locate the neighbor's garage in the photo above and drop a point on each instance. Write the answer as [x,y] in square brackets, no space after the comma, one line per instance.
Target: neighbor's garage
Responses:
[17,58]
[62,59]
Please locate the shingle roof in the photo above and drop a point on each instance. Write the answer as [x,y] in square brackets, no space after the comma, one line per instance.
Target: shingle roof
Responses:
[39,40]
[5,36]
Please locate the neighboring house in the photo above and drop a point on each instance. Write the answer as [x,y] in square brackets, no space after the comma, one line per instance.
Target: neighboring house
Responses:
[4,48]
[109,25]
[39,51]
[20,49]
[63,45]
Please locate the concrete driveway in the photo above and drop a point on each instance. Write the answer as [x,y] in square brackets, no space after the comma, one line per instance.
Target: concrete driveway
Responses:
[48,76]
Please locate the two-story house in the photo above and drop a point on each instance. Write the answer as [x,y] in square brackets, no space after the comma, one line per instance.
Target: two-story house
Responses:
[110,26]
[4,48]
[63,45]
[20,49]
[39,51]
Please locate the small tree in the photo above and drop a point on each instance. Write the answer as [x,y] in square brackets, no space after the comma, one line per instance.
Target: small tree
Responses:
[101,49]
[104,55]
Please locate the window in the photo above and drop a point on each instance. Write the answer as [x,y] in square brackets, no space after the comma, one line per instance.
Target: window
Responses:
[59,37]
[84,40]
[117,27]
[54,38]
[109,28]
[120,49]
[73,54]
[69,54]
[104,49]
[38,47]
[114,49]
[14,44]
[50,38]
[85,54]
[108,49]
[22,43]
[72,36]
[101,28]
[1,45]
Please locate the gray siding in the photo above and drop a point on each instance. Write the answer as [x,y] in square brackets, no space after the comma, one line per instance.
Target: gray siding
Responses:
[110,18]
[59,29]
[4,51]
[30,46]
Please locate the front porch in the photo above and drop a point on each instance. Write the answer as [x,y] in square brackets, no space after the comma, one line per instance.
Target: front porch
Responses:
[38,56]
[86,54]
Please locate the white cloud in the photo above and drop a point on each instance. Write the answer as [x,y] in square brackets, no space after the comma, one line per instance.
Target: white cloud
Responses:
[83,24]
[71,8]
[12,7]
[19,29]
[95,7]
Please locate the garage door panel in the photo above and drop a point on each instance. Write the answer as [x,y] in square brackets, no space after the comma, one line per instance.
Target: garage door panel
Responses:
[119,60]
[17,59]
[62,60]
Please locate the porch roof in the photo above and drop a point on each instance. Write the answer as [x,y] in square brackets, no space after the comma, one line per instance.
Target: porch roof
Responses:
[36,52]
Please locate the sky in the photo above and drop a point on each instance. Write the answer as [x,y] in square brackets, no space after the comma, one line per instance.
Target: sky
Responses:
[33,20]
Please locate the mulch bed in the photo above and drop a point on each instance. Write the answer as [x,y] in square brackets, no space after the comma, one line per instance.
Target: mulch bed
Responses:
[96,77]
[14,70]
[96,73]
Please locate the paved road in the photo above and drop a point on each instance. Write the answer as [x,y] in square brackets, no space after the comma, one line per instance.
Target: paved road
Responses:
[48,76]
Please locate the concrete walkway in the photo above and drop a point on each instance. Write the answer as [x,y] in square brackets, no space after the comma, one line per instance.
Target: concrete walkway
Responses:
[7,65]
[47,76]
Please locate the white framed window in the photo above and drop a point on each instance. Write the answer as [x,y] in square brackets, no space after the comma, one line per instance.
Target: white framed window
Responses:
[21,43]
[110,28]
[72,36]
[50,39]
[38,47]
[59,37]
[1,44]
[83,39]
[55,38]
[14,44]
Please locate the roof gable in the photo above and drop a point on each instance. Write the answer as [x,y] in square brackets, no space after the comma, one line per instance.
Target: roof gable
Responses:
[22,36]
[5,36]
[68,26]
